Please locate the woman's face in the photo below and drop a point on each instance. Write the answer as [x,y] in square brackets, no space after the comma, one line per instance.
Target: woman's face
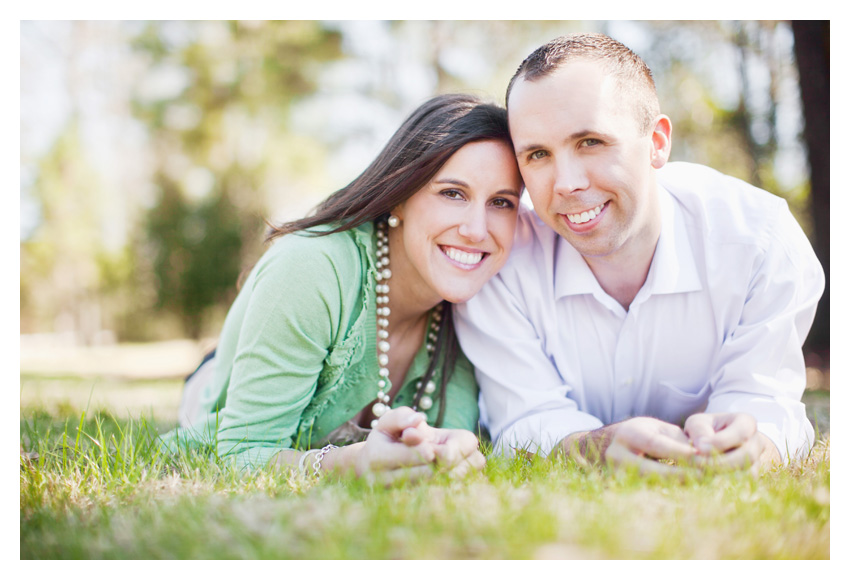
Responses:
[457,231]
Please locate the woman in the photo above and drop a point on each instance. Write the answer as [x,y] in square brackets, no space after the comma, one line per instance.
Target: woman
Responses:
[347,314]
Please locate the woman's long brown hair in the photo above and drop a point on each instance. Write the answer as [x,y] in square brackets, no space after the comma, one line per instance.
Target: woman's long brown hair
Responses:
[426,140]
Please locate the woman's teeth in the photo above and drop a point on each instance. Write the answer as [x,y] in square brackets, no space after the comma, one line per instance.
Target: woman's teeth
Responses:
[470,259]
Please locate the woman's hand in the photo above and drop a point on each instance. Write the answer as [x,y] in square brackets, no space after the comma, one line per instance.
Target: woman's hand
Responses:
[404,445]
[397,447]
[456,449]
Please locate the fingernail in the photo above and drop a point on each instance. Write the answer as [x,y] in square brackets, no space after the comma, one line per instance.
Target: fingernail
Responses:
[415,419]
[702,445]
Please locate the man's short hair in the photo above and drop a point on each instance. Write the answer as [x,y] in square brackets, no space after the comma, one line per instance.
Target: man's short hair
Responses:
[632,74]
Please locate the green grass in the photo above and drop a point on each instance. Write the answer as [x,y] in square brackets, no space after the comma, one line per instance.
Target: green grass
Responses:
[96,486]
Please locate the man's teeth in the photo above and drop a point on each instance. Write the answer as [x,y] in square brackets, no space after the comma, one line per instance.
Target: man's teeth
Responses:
[585,216]
[463,257]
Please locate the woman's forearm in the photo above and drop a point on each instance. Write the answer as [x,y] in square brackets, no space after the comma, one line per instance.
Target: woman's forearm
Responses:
[340,459]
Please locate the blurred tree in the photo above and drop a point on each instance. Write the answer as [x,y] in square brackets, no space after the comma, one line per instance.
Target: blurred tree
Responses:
[63,262]
[196,254]
[811,46]
[218,93]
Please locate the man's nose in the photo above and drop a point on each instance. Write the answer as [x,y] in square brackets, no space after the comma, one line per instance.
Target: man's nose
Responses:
[571,175]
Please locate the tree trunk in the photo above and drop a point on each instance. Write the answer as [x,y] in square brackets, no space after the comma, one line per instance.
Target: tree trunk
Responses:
[811,47]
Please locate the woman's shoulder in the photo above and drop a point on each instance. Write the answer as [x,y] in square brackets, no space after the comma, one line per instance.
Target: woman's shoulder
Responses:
[313,253]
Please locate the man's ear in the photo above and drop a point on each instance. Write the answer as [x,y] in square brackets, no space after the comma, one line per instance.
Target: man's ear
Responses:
[662,136]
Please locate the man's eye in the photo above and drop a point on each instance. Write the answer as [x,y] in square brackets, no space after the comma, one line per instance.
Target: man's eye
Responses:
[539,154]
[590,142]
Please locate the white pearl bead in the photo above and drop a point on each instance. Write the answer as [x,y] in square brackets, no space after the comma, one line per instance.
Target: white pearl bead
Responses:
[387,273]
[383,334]
[430,387]
[383,360]
[384,346]
[426,403]
[378,409]
[384,372]
[381,384]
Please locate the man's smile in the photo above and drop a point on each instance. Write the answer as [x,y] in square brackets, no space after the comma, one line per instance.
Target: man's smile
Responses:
[585,216]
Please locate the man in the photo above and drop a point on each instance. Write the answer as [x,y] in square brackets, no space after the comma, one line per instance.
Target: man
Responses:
[645,313]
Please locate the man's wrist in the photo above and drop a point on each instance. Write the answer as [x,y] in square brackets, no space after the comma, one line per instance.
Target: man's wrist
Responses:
[586,446]
[770,453]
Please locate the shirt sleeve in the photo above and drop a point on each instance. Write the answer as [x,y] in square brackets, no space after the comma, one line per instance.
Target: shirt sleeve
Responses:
[524,398]
[462,397]
[290,320]
[760,368]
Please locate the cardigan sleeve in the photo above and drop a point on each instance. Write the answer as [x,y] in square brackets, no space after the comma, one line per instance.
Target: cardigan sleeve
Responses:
[291,315]
[462,397]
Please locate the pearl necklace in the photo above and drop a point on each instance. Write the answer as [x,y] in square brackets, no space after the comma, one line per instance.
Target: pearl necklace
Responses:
[382,300]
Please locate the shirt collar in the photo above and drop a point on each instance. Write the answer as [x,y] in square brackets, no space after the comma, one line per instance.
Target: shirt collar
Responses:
[673,267]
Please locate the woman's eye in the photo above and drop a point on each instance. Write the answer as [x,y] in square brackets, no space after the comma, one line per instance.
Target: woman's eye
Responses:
[452,193]
[503,203]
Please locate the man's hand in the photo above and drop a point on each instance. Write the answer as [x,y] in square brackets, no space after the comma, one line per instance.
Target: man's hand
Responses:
[730,441]
[637,442]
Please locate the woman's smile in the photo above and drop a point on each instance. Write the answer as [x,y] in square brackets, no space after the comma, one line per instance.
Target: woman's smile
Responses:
[464,259]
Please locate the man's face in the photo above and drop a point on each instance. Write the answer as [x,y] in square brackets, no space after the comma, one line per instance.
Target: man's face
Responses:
[585,163]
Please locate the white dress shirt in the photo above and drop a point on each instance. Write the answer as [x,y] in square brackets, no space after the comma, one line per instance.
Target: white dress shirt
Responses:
[718,325]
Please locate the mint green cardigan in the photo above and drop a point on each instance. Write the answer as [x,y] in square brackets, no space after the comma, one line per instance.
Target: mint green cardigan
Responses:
[297,355]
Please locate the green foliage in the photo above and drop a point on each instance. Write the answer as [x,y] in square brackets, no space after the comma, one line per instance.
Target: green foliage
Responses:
[241,80]
[196,253]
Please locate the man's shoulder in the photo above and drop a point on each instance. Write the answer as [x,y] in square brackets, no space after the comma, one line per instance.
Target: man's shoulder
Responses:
[722,207]
[532,240]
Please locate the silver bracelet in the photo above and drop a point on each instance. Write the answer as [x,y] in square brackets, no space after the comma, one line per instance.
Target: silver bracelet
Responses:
[317,463]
